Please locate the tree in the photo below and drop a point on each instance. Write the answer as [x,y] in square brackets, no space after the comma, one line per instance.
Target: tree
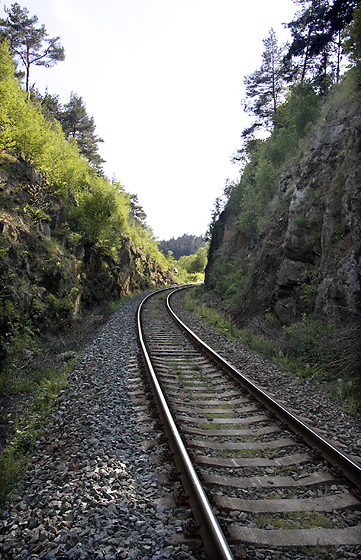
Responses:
[353,37]
[316,46]
[340,14]
[196,262]
[264,88]
[136,212]
[306,30]
[78,125]
[50,105]
[29,44]
[184,245]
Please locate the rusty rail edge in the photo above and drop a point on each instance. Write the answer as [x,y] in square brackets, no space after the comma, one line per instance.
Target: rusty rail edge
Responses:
[213,539]
[331,453]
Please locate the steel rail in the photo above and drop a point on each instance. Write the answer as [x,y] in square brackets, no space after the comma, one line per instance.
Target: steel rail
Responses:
[214,541]
[334,456]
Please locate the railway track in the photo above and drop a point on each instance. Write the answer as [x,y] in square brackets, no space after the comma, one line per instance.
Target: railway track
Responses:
[254,473]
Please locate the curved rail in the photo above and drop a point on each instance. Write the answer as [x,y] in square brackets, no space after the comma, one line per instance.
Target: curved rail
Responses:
[335,456]
[214,541]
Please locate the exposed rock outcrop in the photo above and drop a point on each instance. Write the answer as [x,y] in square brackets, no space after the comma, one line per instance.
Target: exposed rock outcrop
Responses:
[46,276]
[309,258]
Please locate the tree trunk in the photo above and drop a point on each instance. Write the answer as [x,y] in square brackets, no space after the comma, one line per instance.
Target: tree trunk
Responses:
[306,55]
[27,89]
[339,51]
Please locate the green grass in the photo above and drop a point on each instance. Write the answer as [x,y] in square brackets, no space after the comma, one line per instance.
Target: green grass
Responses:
[214,426]
[294,520]
[309,348]
[17,454]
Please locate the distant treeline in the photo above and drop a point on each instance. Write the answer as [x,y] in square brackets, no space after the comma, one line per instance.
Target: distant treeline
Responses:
[182,246]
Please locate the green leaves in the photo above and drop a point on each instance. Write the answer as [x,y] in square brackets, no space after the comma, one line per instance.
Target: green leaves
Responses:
[353,37]
[99,215]
[78,125]
[102,213]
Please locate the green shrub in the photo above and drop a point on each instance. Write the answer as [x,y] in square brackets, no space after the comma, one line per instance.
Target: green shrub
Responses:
[16,455]
[302,339]
[36,213]
[99,210]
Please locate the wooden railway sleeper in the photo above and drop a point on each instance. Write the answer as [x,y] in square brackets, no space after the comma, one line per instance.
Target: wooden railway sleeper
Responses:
[240,531]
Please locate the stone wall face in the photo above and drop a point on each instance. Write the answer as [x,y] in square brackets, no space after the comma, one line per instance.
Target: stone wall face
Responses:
[46,278]
[316,240]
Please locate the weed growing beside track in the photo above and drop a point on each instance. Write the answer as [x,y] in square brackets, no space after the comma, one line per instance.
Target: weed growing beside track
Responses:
[27,430]
[30,381]
[309,348]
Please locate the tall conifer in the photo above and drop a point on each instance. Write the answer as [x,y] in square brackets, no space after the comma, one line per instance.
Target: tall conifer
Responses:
[78,125]
[265,86]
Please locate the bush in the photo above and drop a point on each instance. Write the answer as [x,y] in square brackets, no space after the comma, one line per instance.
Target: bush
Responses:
[266,158]
[99,210]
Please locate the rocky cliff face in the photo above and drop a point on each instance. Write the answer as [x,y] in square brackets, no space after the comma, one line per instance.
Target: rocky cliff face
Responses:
[46,276]
[308,257]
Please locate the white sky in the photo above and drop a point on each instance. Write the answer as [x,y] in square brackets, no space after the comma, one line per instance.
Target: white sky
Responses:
[164,82]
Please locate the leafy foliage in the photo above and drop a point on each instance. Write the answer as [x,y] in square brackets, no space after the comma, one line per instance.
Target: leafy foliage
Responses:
[101,214]
[101,211]
[194,263]
[353,37]
[75,122]
[265,158]
[189,268]
[184,245]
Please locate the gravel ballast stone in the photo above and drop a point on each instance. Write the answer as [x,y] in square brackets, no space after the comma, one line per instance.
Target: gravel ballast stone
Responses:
[91,490]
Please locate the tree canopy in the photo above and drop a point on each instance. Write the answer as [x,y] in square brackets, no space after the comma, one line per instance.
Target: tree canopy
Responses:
[29,44]
[77,124]
[99,212]
[265,86]
[316,46]
[353,37]
[184,245]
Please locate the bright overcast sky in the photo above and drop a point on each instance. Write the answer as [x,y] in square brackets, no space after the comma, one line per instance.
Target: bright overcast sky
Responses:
[164,82]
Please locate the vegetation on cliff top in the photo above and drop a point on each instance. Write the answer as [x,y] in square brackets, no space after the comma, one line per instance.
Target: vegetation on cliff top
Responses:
[99,210]
[292,98]
[288,98]
[69,237]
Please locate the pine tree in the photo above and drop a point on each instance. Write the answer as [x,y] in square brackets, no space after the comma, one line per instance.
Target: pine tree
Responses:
[78,125]
[264,88]
[353,37]
[316,46]
[137,215]
[29,44]
[50,105]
